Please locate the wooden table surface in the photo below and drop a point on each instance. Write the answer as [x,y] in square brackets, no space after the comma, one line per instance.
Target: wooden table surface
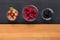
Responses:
[29,31]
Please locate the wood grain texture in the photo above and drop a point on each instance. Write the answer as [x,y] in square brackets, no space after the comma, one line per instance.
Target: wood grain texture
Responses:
[29,31]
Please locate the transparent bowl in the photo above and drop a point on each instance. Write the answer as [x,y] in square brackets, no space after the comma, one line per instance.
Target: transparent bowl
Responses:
[47,14]
[29,13]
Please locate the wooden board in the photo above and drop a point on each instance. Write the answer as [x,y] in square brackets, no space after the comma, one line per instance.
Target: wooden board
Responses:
[29,32]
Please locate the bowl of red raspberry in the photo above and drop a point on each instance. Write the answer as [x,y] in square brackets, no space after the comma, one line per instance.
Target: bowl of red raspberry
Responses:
[30,12]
